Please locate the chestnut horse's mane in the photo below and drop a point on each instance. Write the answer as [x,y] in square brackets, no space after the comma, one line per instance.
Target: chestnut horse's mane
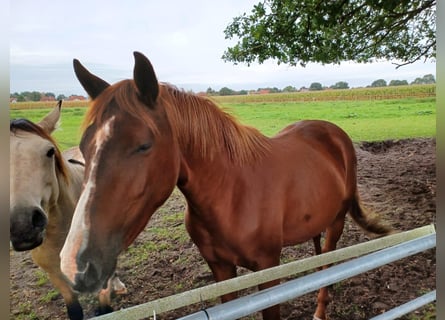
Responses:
[25,125]
[199,124]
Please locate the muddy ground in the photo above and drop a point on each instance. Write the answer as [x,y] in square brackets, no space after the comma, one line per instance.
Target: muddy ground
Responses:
[397,179]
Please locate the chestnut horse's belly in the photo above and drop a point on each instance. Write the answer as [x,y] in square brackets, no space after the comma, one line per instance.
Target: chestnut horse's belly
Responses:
[265,217]
[311,208]
[313,191]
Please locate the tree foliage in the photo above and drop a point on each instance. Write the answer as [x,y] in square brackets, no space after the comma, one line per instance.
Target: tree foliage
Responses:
[426,79]
[226,91]
[289,89]
[379,83]
[340,85]
[301,31]
[315,86]
[27,96]
[31,95]
[398,83]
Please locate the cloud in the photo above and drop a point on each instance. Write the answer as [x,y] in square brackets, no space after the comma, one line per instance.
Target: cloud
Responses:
[183,39]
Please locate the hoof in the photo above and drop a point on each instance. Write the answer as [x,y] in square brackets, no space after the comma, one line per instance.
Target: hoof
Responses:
[103,310]
[75,311]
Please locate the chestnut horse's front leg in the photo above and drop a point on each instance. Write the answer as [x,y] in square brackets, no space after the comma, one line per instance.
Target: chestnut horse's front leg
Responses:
[223,271]
[272,313]
[114,286]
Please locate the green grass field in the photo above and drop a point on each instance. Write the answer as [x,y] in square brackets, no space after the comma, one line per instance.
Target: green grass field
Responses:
[68,134]
[363,120]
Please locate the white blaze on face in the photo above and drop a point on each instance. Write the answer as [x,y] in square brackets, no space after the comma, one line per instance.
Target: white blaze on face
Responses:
[80,224]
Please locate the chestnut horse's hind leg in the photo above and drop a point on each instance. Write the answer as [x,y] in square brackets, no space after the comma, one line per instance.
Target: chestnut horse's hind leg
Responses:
[317,244]
[333,234]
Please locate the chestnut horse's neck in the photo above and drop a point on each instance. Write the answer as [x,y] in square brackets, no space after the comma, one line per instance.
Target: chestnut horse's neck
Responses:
[204,131]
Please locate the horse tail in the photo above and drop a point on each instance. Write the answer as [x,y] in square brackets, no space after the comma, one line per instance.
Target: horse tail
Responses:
[370,223]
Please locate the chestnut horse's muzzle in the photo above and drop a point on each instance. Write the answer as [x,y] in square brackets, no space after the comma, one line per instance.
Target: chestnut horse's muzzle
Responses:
[87,280]
[93,276]
[27,227]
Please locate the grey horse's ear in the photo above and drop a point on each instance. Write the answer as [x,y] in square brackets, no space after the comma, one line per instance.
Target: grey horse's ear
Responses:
[92,84]
[145,78]
[52,119]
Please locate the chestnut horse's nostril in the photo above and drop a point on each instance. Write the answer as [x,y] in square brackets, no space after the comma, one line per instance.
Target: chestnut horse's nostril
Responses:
[88,280]
[39,219]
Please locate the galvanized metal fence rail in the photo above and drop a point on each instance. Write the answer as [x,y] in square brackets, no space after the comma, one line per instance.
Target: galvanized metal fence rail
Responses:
[292,289]
[407,307]
[425,236]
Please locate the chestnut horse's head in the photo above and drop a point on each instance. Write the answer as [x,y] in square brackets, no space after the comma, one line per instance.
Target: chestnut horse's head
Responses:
[131,167]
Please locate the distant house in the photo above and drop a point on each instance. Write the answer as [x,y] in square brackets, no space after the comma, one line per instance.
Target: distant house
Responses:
[260,91]
[47,98]
[76,98]
[12,100]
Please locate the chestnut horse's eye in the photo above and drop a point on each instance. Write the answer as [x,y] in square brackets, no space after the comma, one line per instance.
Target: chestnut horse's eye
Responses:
[143,147]
[51,153]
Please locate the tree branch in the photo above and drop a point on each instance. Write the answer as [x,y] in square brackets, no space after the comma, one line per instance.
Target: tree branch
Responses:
[419,56]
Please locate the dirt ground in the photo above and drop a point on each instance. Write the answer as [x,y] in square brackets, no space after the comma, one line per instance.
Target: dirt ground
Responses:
[397,179]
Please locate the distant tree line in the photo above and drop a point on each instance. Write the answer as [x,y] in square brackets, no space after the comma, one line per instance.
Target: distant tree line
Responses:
[316,86]
[225,91]
[36,96]
[426,79]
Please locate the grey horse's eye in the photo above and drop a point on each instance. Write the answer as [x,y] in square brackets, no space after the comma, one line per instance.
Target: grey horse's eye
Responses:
[51,153]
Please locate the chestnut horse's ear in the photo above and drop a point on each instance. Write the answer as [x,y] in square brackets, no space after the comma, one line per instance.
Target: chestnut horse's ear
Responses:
[145,79]
[93,85]
[51,120]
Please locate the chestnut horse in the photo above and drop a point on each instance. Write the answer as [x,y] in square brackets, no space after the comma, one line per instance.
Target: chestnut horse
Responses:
[45,185]
[247,195]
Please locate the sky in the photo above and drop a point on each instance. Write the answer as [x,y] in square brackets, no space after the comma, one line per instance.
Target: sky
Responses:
[184,40]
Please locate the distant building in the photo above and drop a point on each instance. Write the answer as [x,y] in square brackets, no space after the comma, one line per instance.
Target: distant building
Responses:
[47,98]
[76,98]
[261,91]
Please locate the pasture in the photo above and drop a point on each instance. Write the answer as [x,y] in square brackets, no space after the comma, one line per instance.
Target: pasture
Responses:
[363,120]
[396,179]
